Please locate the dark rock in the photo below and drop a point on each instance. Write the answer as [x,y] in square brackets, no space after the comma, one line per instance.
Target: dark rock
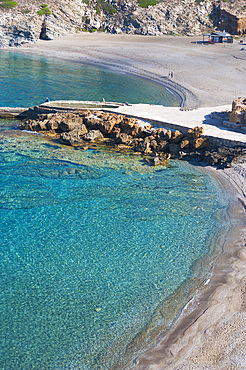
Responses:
[195,132]
[106,127]
[200,143]
[92,121]
[153,145]
[115,132]
[163,146]
[185,144]
[143,147]
[127,125]
[168,135]
[174,149]
[177,137]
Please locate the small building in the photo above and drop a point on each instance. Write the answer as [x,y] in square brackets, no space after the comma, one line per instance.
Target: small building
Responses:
[218,38]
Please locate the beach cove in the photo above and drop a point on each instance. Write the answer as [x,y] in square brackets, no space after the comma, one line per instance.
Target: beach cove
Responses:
[177,345]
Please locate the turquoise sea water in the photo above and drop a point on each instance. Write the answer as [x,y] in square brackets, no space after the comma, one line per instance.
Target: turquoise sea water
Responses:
[93,245]
[29,80]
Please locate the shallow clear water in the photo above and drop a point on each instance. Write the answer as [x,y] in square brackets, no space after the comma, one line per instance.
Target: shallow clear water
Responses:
[93,244]
[28,80]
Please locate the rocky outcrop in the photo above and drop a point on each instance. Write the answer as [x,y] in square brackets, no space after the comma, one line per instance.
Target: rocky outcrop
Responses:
[238,113]
[230,16]
[86,128]
[223,157]
[23,24]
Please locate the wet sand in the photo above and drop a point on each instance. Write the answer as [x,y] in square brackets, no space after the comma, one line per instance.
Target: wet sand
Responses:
[210,334]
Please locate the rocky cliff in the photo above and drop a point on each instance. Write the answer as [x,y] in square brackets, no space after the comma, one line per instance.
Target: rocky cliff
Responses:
[22,22]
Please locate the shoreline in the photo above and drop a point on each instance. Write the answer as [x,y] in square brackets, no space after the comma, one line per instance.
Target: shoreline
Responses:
[219,306]
[180,349]
[198,77]
[185,98]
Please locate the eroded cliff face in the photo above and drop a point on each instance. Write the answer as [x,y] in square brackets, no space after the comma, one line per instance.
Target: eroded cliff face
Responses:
[22,23]
[230,16]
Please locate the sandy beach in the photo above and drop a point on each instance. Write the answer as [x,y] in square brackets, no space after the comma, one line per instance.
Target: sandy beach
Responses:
[204,75]
[211,332]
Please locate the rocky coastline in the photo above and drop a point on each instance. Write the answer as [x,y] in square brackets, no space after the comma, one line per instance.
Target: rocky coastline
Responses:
[27,22]
[87,128]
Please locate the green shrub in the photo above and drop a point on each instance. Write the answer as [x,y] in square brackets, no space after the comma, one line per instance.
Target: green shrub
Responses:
[146,3]
[7,4]
[105,6]
[44,10]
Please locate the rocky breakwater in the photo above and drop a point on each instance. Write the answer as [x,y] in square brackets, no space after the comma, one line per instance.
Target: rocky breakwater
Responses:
[86,128]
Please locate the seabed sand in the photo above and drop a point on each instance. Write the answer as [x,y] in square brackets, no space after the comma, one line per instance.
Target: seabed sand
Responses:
[211,332]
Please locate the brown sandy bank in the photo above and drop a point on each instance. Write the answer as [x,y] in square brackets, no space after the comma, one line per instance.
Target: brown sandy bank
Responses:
[214,74]
[211,332]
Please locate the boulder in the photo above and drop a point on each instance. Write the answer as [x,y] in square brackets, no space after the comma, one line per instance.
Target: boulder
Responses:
[127,124]
[160,133]
[168,135]
[174,150]
[106,126]
[153,145]
[123,138]
[137,131]
[195,132]
[177,137]
[69,122]
[163,146]
[35,125]
[93,135]
[115,132]
[143,147]
[68,138]
[185,144]
[53,124]
[159,159]
[92,121]
[74,137]
[200,143]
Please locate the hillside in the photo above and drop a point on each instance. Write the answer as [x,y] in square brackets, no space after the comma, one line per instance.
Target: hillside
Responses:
[23,21]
